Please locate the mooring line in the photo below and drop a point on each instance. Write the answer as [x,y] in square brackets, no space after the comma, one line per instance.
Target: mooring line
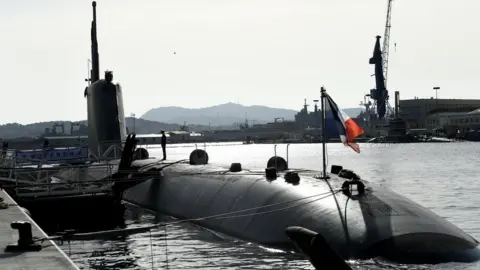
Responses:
[228,215]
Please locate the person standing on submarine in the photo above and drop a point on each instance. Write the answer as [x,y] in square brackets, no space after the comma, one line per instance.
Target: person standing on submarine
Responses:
[164,145]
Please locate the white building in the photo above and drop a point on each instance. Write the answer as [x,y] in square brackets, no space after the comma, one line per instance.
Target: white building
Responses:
[462,121]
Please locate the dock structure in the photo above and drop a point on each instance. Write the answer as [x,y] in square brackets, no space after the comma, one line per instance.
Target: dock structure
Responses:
[50,257]
[64,195]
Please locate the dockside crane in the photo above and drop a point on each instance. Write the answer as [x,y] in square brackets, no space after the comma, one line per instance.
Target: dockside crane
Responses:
[386,41]
[380,60]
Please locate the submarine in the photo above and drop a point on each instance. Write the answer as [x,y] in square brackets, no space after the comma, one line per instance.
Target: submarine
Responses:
[356,218]
[375,223]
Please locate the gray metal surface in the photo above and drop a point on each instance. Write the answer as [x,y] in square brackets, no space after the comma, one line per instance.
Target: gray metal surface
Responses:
[106,119]
[352,226]
[49,258]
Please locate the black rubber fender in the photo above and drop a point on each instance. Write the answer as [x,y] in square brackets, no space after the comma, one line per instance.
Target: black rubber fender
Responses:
[277,162]
[320,254]
[140,153]
[198,157]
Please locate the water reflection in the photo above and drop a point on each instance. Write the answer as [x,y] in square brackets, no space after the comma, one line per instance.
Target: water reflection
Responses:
[79,222]
[185,246]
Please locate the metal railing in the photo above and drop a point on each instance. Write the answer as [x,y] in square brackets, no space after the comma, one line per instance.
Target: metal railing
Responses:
[275,152]
[59,155]
[44,176]
[60,180]
[115,149]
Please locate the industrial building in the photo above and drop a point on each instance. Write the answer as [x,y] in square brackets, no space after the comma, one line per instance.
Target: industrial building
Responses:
[461,122]
[434,113]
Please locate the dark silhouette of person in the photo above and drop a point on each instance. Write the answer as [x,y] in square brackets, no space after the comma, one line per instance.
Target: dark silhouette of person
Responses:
[46,143]
[4,149]
[164,145]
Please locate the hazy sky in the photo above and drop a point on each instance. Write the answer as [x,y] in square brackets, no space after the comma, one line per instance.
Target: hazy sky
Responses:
[265,52]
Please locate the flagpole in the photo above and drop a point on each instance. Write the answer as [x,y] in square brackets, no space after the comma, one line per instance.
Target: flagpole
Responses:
[324,137]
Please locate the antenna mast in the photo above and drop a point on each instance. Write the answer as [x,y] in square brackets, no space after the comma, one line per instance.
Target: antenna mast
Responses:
[386,41]
[324,137]
[95,61]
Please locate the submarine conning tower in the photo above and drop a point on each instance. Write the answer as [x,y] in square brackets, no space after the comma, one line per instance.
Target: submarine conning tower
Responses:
[106,117]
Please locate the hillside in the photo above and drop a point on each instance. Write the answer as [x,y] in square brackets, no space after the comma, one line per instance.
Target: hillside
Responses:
[171,118]
[352,112]
[143,126]
[15,130]
[224,114]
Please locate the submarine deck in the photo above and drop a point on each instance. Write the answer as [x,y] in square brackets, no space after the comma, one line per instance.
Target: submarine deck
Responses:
[50,257]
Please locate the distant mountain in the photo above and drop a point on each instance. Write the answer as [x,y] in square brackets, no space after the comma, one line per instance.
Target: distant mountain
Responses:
[224,114]
[143,126]
[352,112]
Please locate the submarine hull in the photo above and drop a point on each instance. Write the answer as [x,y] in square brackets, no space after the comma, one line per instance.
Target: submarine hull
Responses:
[379,223]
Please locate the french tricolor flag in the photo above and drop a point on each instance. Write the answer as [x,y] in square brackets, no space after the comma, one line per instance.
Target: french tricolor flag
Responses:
[347,128]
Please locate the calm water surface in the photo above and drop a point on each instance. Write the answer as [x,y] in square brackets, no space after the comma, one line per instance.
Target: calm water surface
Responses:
[441,177]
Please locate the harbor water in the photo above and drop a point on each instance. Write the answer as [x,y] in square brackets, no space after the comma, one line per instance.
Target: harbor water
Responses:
[440,176]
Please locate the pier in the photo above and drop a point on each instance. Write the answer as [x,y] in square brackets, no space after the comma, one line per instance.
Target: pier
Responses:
[49,257]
